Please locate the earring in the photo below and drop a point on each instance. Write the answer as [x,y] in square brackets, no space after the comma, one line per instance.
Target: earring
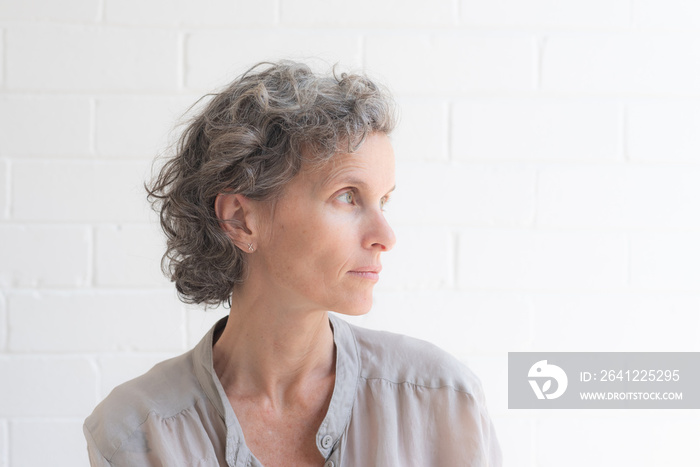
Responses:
[250,247]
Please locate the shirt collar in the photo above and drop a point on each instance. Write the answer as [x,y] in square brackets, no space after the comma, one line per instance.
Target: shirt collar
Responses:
[347,371]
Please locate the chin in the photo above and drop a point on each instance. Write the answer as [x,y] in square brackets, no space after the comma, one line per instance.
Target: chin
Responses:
[357,308]
[356,302]
[353,312]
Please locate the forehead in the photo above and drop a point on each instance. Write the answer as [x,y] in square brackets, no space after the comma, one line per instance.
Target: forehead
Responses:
[372,164]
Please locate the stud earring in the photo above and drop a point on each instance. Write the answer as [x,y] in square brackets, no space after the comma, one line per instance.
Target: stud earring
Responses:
[250,247]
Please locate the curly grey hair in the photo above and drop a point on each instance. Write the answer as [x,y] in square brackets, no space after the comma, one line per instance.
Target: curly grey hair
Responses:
[252,139]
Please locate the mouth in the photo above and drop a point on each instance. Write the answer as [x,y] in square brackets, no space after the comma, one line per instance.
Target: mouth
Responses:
[370,273]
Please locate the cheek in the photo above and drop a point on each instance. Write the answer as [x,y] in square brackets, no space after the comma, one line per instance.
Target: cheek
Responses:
[313,239]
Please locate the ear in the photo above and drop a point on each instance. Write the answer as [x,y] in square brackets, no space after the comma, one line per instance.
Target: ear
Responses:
[236,217]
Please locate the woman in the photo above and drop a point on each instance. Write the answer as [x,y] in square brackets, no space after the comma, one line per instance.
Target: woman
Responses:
[273,204]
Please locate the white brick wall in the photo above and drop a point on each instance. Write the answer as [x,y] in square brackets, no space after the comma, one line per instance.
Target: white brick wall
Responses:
[217,57]
[129,256]
[85,191]
[136,126]
[665,260]
[33,10]
[474,194]
[3,319]
[4,445]
[665,438]
[422,133]
[201,13]
[618,321]
[548,13]
[622,196]
[542,260]
[623,63]
[448,64]
[460,322]
[4,189]
[23,118]
[60,256]
[548,194]
[535,129]
[388,14]
[57,436]
[46,386]
[108,315]
[673,14]
[91,58]
[663,131]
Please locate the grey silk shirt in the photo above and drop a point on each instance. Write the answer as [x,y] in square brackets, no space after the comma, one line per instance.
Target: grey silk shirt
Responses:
[397,401]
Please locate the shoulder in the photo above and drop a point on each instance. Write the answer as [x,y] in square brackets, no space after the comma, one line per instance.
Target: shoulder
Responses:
[406,381]
[403,359]
[164,391]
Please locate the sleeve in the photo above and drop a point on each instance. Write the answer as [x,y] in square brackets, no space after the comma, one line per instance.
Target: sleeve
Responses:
[470,426]
[491,447]
[484,430]
[94,454]
[466,435]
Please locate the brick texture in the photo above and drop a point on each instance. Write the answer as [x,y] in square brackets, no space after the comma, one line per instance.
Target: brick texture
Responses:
[413,264]
[665,438]
[4,189]
[617,321]
[2,56]
[675,14]
[459,322]
[129,256]
[421,133]
[27,380]
[3,320]
[33,10]
[60,256]
[541,260]
[624,196]
[62,442]
[548,13]
[537,129]
[44,126]
[624,63]
[4,445]
[222,13]
[79,191]
[137,126]
[390,13]
[72,58]
[477,62]
[664,131]
[215,58]
[665,260]
[109,317]
[474,194]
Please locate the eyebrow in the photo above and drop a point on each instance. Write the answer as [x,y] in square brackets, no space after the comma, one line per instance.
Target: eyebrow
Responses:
[354,182]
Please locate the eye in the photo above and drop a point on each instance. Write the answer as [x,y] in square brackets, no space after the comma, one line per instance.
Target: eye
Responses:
[347,197]
[382,202]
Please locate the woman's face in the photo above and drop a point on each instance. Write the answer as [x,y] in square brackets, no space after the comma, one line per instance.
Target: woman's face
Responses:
[328,232]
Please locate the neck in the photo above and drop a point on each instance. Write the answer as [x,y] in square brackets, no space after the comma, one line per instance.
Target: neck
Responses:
[270,351]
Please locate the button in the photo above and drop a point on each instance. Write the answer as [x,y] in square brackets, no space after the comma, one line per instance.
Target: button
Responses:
[326,442]
[329,464]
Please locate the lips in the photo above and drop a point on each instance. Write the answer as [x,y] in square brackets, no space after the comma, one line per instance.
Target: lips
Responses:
[375,269]
[369,272]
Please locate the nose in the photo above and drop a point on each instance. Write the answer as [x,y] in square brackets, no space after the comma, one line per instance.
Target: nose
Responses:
[380,234]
